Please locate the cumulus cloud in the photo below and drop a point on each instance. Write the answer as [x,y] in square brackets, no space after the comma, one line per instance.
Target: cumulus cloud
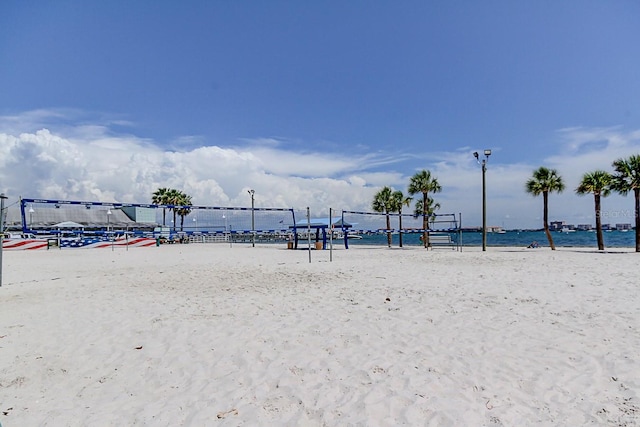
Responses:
[48,156]
[88,162]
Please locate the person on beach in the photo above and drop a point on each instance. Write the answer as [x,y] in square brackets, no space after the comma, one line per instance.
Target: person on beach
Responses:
[533,245]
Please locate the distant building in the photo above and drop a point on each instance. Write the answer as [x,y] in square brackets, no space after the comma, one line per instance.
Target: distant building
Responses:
[557,225]
[625,227]
[140,214]
[606,227]
[583,227]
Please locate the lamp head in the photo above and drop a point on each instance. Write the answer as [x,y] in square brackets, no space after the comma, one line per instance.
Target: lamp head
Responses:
[487,153]
[475,154]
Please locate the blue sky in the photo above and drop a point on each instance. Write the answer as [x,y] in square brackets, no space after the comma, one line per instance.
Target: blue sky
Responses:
[317,103]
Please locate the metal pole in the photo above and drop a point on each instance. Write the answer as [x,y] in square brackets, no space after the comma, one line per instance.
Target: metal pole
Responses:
[486,153]
[330,234]
[226,227]
[108,221]
[309,231]
[484,206]
[460,231]
[2,199]
[253,221]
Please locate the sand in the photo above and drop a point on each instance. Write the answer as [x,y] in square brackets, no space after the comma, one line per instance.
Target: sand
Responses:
[207,335]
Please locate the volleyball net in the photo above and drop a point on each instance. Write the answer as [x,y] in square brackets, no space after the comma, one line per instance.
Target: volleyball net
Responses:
[42,216]
[376,222]
[441,229]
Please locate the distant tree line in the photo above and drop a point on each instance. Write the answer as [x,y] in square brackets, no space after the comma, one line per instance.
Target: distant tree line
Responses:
[624,179]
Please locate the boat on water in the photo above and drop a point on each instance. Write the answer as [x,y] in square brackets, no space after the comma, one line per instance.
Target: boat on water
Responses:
[340,235]
[567,230]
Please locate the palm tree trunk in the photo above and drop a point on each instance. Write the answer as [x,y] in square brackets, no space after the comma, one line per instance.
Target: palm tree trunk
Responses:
[636,192]
[425,219]
[388,230]
[598,223]
[545,198]
[400,227]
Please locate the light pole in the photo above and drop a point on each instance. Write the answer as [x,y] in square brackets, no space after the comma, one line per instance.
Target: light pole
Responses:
[108,219]
[2,199]
[483,163]
[253,223]
[31,211]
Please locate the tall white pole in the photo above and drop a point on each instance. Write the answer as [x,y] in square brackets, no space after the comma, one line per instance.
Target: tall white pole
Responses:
[31,211]
[2,199]
[108,221]
[309,231]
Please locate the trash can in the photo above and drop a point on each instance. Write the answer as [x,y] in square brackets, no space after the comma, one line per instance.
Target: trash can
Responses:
[289,245]
[318,246]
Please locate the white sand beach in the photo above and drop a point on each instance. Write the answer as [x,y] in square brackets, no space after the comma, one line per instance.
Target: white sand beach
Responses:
[207,335]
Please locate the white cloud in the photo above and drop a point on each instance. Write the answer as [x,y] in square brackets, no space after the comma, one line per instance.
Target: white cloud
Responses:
[89,162]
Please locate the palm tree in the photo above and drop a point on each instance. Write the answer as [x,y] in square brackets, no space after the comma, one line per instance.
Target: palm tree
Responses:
[596,183]
[397,201]
[184,210]
[625,179]
[383,202]
[159,197]
[432,207]
[545,181]
[423,182]
[173,198]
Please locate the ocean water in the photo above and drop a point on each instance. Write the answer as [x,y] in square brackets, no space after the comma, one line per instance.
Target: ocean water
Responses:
[612,239]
